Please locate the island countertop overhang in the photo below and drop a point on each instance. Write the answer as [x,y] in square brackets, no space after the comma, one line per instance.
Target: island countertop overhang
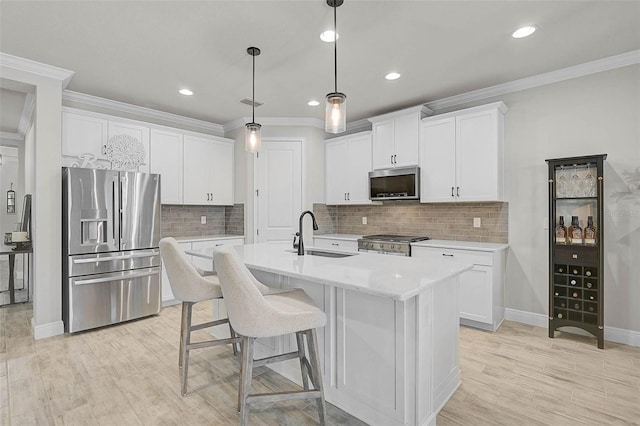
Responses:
[396,277]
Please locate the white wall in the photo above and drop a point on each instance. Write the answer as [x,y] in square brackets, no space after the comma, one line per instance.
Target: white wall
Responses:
[596,114]
[313,166]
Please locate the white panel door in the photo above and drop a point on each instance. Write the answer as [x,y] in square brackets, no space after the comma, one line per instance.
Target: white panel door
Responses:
[140,133]
[197,170]
[336,165]
[437,160]
[405,135]
[166,160]
[477,156]
[279,185]
[358,168]
[382,148]
[83,135]
[222,173]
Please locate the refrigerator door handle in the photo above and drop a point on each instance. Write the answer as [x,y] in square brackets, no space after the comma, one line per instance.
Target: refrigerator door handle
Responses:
[144,273]
[108,259]
[123,207]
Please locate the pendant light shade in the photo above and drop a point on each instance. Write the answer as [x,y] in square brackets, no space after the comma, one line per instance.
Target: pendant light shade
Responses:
[253,138]
[335,118]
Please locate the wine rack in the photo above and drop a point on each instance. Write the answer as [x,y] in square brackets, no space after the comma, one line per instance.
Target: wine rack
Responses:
[576,287]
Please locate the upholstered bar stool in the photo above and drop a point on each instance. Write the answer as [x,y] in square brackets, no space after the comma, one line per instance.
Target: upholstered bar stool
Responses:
[256,311]
[191,285]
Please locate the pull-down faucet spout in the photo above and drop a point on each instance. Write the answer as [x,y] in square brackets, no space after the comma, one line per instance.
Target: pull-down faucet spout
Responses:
[315,228]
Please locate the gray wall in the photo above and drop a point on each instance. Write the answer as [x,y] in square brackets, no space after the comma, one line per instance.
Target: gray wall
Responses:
[595,114]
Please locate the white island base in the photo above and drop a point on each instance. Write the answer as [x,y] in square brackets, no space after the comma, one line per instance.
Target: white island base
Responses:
[386,359]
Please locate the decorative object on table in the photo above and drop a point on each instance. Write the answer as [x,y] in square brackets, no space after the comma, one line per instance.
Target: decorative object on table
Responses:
[125,152]
[11,200]
[576,262]
[335,119]
[253,137]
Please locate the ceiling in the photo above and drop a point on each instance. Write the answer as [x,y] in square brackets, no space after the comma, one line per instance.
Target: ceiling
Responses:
[142,52]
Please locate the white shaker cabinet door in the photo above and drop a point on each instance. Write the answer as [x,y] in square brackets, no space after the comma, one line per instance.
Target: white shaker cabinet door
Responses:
[222,174]
[476,293]
[477,158]
[336,172]
[83,135]
[140,133]
[406,134]
[382,146]
[438,165]
[197,170]
[166,160]
[358,168]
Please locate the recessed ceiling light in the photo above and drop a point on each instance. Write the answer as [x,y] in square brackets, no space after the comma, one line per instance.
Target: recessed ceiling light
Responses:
[392,76]
[523,32]
[313,103]
[185,92]
[328,36]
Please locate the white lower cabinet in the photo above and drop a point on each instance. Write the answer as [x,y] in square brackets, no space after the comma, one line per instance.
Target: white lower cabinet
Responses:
[481,288]
[336,244]
[167,294]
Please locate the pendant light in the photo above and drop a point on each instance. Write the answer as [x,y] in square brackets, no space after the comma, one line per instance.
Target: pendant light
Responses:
[253,138]
[335,117]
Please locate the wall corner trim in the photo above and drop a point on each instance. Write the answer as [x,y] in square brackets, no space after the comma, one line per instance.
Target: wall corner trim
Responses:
[43,331]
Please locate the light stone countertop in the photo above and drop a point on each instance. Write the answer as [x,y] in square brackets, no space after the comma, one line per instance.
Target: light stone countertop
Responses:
[397,277]
[346,237]
[461,245]
[207,237]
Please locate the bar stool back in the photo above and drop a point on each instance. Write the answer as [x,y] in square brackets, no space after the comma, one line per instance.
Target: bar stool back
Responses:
[190,286]
[255,312]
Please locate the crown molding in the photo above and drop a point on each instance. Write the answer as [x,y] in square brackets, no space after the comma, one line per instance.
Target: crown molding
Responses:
[37,68]
[27,114]
[10,139]
[593,67]
[95,101]
[274,121]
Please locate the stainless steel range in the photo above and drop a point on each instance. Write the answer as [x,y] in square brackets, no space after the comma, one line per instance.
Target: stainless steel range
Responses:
[399,245]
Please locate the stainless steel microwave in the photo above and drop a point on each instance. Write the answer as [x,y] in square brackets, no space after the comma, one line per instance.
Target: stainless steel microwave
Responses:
[401,183]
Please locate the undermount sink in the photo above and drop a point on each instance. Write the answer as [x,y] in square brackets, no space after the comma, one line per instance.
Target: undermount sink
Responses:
[315,252]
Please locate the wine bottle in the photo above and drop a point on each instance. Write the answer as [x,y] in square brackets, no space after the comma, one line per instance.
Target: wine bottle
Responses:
[575,232]
[590,233]
[561,232]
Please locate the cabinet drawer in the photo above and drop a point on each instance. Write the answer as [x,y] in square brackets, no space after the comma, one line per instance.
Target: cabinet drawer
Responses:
[577,255]
[216,243]
[462,256]
[344,245]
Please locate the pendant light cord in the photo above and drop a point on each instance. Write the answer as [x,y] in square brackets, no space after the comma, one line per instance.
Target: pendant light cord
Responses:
[253,91]
[335,48]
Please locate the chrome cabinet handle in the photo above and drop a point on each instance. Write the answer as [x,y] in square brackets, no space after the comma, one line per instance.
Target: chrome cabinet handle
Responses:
[452,192]
[447,255]
[348,196]
[392,159]
[395,159]
[457,191]
[335,244]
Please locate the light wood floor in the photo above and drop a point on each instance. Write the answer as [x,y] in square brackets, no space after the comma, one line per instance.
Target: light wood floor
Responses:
[128,375]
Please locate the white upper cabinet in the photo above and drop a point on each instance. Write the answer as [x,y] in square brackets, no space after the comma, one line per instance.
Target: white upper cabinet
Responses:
[83,134]
[396,137]
[461,155]
[208,171]
[137,132]
[348,162]
[166,160]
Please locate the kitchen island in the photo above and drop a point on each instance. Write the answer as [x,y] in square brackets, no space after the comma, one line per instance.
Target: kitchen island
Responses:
[390,346]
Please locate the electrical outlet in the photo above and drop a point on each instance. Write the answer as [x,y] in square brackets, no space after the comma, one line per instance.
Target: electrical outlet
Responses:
[203,220]
[476,222]
[364,220]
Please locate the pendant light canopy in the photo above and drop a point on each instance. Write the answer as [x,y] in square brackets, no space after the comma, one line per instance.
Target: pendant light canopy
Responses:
[335,118]
[253,138]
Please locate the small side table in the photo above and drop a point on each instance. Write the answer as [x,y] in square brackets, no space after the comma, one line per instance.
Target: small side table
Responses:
[11,252]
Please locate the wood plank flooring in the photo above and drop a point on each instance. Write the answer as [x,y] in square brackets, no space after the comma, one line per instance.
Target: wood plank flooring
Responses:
[128,375]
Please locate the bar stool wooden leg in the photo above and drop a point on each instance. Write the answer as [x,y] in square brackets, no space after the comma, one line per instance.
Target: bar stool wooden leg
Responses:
[246,372]
[312,345]
[183,323]
[301,355]
[186,340]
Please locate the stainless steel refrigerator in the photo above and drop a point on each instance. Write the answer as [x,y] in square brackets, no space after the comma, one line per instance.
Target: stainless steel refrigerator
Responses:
[110,254]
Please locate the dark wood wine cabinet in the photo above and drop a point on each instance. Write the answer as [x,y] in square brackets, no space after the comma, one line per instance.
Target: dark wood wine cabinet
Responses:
[576,274]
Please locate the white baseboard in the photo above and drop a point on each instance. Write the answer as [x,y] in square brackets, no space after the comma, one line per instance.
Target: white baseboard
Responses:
[612,334]
[43,331]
